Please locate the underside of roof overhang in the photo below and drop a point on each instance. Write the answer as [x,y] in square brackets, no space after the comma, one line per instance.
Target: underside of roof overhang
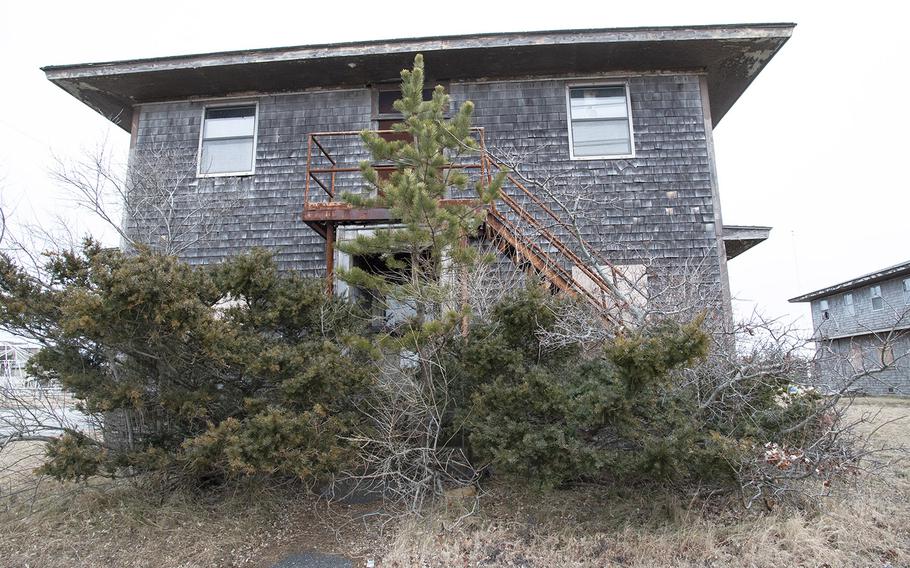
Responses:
[730,55]
[740,238]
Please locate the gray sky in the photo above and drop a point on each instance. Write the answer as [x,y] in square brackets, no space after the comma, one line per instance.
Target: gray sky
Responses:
[812,148]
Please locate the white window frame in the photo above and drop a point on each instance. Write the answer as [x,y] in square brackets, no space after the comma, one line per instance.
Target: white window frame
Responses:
[205,109]
[581,85]
[849,307]
[873,295]
[906,286]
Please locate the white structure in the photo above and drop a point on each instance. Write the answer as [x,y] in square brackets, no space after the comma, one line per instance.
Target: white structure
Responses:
[13,357]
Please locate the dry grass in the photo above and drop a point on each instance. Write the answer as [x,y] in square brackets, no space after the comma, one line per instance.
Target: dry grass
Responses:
[112,524]
[122,525]
[869,526]
[864,532]
[17,461]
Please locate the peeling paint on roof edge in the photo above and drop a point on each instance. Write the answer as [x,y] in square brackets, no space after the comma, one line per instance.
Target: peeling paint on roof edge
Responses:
[668,33]
[731,55]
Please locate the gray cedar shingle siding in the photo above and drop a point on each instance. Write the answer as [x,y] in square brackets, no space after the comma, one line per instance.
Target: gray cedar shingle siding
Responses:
[868,330]
[268,215]
[627,216]
[840,365]
[839,322]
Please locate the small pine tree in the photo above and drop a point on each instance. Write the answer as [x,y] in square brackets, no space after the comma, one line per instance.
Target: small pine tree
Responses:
[432,237]
[419,261]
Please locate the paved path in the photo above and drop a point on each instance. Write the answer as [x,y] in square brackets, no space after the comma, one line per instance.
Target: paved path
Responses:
[314,560]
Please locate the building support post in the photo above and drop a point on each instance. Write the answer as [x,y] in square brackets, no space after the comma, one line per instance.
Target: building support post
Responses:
[465,293]
[330,258]
[726,298]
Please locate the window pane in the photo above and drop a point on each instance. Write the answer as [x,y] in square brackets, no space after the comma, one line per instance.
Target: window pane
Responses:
[223,156]
[877,303]
[387,99]
[230,112]
[598,102]
[228,122]
[856,356]
[888,355]
[601,138]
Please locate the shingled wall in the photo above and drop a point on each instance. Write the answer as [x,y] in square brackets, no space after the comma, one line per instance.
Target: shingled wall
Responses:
[857,362]
[851,343]
[839,321]
[656,205]
[268,214]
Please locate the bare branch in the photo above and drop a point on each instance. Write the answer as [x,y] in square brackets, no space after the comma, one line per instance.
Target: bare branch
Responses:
[155,202]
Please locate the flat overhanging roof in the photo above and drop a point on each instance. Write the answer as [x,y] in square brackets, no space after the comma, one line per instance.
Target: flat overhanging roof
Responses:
[896,271]
[740,238]
[730,55]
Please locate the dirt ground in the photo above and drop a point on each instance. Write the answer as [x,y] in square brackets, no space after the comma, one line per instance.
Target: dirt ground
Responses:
[117,524]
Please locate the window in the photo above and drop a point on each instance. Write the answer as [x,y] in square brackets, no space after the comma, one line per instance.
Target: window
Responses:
[384,97]
[848,305]
[877,302]
[228,142]
[856,356]
[907,290]
[599,122]
[887,355]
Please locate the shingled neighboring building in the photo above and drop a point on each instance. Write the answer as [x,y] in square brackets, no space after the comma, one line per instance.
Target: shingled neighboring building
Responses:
[625,115]
[863,324]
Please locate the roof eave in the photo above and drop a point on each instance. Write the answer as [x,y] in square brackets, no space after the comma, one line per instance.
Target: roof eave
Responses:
[896,271]
[732,56]
[431,43]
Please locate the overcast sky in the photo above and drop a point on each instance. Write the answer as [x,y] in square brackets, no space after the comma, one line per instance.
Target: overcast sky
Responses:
[812,148]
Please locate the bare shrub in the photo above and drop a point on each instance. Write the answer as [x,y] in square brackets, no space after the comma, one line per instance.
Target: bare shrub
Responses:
[405,447]
[760,380]
[156,201]
[784,394]
[29,418]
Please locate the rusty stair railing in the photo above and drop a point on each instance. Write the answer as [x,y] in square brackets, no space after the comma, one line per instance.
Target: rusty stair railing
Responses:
[512,227]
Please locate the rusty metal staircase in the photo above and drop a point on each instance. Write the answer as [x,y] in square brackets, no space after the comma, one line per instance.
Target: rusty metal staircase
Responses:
[519,223]
[526,229]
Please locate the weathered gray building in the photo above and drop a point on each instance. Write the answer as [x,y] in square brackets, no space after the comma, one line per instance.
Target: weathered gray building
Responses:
[622,116]
[862,329]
